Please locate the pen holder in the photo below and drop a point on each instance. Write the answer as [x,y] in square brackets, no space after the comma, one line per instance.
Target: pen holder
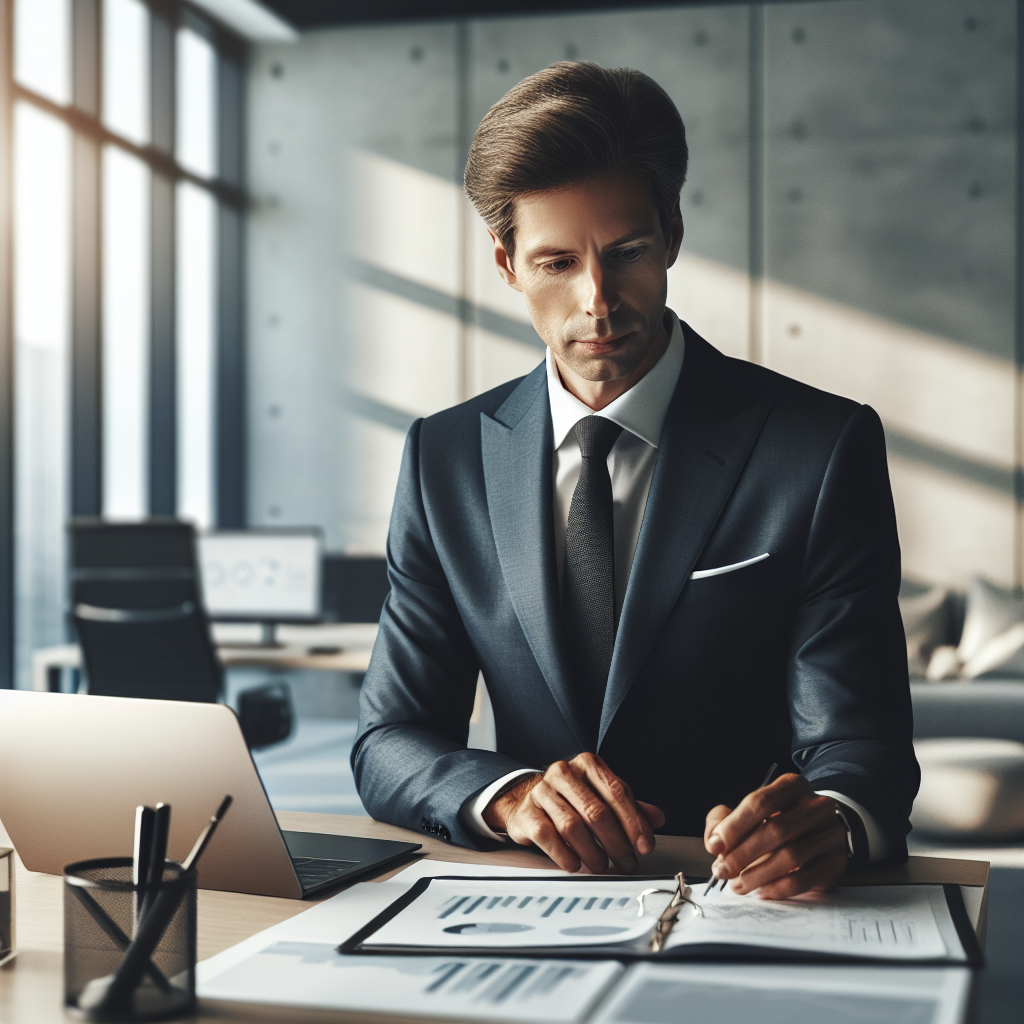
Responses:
[129,950]
[6,904]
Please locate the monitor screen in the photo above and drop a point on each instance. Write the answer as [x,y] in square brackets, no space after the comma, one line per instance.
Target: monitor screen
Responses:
[256,575]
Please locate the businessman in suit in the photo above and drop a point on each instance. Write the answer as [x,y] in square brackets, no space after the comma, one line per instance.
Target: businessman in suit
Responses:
[672,568]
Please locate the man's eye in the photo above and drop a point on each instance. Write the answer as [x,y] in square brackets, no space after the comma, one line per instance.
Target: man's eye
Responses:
[558,266]
[630,255]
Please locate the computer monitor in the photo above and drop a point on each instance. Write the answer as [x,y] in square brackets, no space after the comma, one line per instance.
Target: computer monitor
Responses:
[265,576]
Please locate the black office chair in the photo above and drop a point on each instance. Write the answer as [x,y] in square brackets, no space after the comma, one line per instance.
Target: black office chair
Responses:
[138,613]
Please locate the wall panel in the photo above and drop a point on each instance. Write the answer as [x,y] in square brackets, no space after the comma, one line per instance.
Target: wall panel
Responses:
[890,212]
[354,254]
[859,154]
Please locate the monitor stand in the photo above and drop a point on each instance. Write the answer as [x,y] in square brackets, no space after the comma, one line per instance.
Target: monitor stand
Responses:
[268,635]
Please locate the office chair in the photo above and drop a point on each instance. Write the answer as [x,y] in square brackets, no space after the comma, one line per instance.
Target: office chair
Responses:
[138,613]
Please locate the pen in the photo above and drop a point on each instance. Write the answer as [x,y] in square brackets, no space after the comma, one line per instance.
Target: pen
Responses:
[157,856]
[161,828]
[206,835]
[768,776]
[141,854]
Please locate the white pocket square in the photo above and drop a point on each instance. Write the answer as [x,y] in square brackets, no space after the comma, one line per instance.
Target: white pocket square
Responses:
[703,573]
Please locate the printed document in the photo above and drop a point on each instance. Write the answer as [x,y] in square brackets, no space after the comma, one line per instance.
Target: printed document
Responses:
[910,923]
[316,975]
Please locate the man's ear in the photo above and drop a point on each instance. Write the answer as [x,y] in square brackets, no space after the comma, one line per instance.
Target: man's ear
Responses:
[675,235]
[503,262]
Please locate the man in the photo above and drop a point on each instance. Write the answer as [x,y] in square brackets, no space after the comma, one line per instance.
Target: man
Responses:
[672,568]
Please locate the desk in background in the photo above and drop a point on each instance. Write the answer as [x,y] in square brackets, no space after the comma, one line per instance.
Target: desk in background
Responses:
[233,641]
[31,986]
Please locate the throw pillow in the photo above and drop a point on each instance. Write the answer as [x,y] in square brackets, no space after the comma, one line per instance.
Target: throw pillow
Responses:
[991,610]
[926,624]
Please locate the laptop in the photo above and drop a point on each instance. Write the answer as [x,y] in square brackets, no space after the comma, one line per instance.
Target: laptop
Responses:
[74,767]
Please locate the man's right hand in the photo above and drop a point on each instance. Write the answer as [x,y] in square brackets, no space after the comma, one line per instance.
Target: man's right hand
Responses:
[581,814]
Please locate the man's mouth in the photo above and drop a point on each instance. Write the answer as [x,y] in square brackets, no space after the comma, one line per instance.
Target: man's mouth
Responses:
[597,346]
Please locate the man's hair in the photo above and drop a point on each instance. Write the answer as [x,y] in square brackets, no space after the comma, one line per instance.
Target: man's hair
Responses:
[566,124]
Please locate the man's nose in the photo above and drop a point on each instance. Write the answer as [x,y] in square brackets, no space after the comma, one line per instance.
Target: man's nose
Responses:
[602,299]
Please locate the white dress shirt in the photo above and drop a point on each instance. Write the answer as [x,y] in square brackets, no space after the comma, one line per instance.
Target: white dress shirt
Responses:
[640,412]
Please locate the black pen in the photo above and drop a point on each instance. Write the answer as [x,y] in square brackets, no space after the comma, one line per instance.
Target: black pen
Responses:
[141,854]
[206,835]
[157,856]
[768,776]
[161,829]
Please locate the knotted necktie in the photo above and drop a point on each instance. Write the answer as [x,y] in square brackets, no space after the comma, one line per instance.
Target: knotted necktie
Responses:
[588,586]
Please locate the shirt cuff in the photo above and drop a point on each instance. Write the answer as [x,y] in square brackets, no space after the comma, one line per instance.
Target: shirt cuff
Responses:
[878,845]
[472,811]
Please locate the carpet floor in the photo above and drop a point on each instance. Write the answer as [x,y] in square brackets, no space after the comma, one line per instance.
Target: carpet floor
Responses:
[310,771]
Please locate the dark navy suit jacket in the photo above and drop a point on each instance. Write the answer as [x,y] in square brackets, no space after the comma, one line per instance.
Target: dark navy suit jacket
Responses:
[798,659]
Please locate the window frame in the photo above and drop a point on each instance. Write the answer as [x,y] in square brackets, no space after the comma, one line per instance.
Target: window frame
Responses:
[83,116]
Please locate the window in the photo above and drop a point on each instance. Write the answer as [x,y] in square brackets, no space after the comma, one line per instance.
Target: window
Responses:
[125,299]
[42,265]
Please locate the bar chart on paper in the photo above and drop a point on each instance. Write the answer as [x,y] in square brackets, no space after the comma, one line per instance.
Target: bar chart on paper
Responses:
[463,912]
[316,975]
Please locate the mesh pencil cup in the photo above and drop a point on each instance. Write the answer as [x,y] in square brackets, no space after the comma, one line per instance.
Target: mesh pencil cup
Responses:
[129,950]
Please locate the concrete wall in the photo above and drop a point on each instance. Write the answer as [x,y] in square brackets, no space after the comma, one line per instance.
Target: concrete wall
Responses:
[850,220]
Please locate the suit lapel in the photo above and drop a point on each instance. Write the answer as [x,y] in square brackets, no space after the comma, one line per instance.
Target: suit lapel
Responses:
[708,433]
[517,446]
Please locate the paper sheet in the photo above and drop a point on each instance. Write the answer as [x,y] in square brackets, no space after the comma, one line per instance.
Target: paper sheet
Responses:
[909,923]
[466,913]
[891,922]
[787,994]
[315,975]
[295,963]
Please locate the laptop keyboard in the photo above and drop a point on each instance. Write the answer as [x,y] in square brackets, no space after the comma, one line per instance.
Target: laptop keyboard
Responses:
[313,871]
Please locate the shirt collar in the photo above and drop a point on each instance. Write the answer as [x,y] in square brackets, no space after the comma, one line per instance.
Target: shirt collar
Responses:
[641,410]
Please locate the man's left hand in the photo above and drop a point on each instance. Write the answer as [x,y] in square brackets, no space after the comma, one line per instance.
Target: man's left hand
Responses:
[783,839]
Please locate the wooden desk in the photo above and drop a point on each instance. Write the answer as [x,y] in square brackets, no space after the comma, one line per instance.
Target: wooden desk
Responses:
[31,985]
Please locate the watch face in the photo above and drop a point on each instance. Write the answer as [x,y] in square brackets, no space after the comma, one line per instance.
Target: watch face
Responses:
[851,852]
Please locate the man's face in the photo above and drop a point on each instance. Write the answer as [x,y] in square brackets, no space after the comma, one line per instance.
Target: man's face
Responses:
[591,261]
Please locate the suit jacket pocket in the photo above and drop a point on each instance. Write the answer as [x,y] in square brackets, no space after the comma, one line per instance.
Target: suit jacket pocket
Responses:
[750,580]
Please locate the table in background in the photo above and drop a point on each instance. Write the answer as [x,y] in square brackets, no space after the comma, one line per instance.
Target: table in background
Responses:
[31,985]
[237,647]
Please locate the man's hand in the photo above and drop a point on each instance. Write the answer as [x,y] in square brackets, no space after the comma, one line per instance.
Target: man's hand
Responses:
[581,814]
[783,839]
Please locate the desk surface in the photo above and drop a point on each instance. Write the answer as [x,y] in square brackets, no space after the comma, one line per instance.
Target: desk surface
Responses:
[31,986]
[326,647]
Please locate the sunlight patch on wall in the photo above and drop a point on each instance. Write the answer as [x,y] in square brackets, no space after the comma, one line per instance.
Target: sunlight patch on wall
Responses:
[407,356]
[407,221]
[951,529]
[925,386]
[496,360]
[714,300]
[370,486]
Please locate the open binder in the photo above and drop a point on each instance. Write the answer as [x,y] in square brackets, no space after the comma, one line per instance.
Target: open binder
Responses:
[654,918]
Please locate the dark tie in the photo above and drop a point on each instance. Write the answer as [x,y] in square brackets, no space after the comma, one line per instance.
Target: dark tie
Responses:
[588,586]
